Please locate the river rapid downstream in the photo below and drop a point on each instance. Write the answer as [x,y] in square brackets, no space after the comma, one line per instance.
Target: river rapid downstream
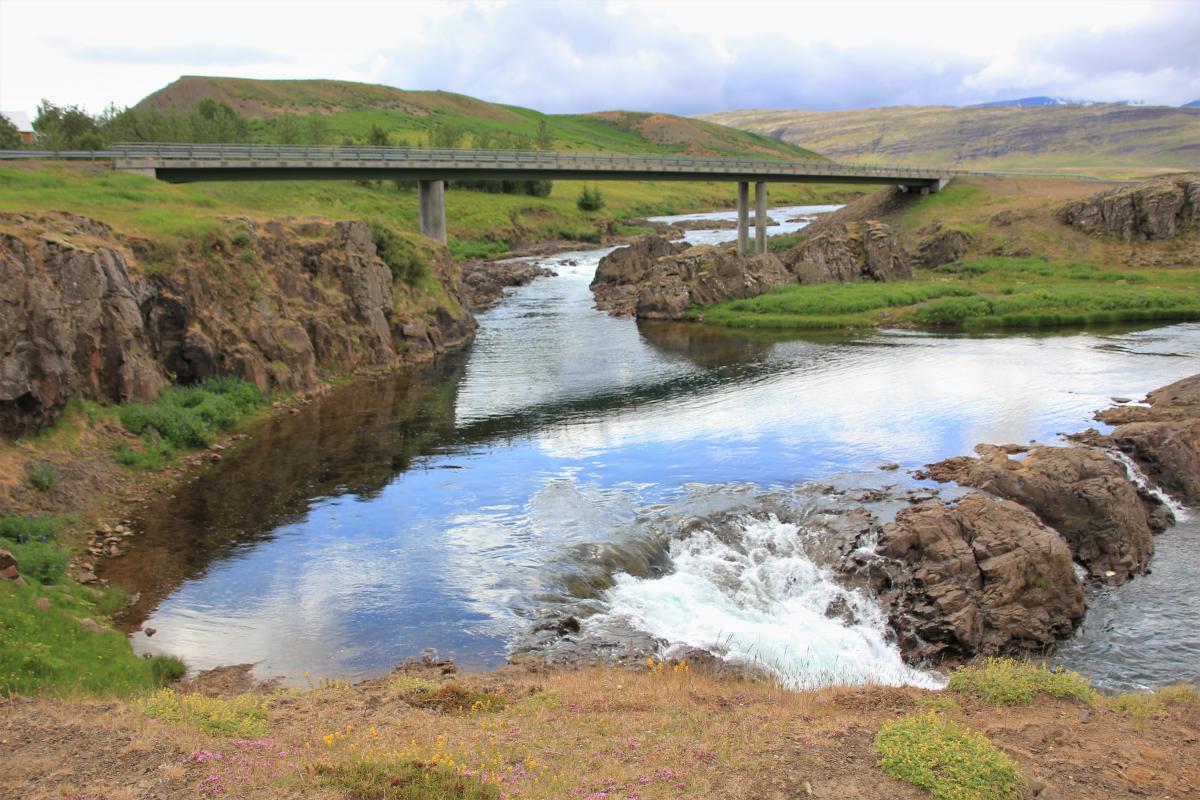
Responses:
[582,486]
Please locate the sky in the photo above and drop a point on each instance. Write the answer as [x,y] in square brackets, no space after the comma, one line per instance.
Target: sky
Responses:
[686,57]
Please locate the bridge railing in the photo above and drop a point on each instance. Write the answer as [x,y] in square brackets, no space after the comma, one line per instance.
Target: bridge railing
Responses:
[534,159]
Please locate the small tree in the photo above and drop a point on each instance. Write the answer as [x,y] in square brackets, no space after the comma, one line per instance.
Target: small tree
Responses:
[544,140]
[10,137]
[378,136]
[590,199]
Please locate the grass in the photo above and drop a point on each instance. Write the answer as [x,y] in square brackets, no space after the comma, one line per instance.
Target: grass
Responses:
[1007,682]
[46,651]
[1078,138]
[1143,706]
[242,716]
[31,542]
[994,293]
[183,418]
[395,779]
[946,760]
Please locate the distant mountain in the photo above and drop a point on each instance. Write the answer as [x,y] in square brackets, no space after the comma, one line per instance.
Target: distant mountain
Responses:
[1042,100]
[1091,137]
[1193,104]
[350,110]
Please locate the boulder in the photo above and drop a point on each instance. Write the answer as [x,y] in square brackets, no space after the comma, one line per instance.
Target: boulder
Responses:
[1162,208]
[1079,491]
[982,576]
[7,560]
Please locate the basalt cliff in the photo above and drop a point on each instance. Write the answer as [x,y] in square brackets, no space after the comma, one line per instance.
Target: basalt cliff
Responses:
[89,312]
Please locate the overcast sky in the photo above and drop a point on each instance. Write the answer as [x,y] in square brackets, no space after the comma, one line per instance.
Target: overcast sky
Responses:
[684,57]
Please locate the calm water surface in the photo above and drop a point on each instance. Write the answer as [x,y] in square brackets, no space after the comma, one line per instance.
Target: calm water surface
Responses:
[444,510]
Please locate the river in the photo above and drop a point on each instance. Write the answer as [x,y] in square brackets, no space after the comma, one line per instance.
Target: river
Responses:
[661,481]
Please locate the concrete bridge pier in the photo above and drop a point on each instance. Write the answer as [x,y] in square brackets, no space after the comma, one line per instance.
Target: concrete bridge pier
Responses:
[432,197]
[760,217]
[743,222]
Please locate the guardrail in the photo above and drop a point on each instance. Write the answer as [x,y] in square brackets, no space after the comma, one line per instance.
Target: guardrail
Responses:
[508,159]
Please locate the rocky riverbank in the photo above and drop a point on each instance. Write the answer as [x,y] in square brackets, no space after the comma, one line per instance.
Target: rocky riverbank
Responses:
[285,304]
[656,278]
[993,572]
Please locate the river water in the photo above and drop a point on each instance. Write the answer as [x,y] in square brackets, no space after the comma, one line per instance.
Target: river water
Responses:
[666,483]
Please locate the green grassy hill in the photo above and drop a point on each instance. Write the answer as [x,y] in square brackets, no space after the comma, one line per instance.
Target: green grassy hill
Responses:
[350,110]
[1095,138]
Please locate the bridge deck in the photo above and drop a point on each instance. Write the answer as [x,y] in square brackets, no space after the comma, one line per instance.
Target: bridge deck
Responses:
[184,163]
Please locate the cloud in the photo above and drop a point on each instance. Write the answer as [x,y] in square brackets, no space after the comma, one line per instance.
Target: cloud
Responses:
[584,57]
[576,57]
[191,55]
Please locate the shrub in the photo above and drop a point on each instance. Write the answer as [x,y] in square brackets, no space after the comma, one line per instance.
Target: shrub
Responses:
[28,529]
[42,476]
[401,255]
[44,562]
[244,715]
[949,762]
[1006,682]
[590,199]
[185,418]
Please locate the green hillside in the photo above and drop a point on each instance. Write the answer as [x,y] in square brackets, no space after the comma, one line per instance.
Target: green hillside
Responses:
[349,111]
[1093,138]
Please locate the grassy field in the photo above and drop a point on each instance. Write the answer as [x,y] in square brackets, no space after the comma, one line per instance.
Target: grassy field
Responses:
[348,112]
[982,294]
[1113,140]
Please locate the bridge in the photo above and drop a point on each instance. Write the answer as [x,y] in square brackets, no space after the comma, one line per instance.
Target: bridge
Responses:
[430,168]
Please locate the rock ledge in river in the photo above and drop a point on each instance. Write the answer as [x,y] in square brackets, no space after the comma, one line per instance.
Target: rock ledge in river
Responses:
[981,576]
[1079,491]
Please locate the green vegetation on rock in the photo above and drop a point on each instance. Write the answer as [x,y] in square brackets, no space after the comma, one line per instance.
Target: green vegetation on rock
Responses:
[948,761]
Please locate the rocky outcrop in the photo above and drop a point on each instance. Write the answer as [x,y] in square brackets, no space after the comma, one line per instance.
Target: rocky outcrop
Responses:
[849,252]
[981,576]
[1079,491]
[278,303]
[941,246]
[620,274]
[1164,439]
[1159,209]
[655,278]
[485,281]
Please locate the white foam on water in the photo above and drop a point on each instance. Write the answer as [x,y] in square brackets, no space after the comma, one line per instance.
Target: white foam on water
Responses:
[1142,482]
[762,601]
